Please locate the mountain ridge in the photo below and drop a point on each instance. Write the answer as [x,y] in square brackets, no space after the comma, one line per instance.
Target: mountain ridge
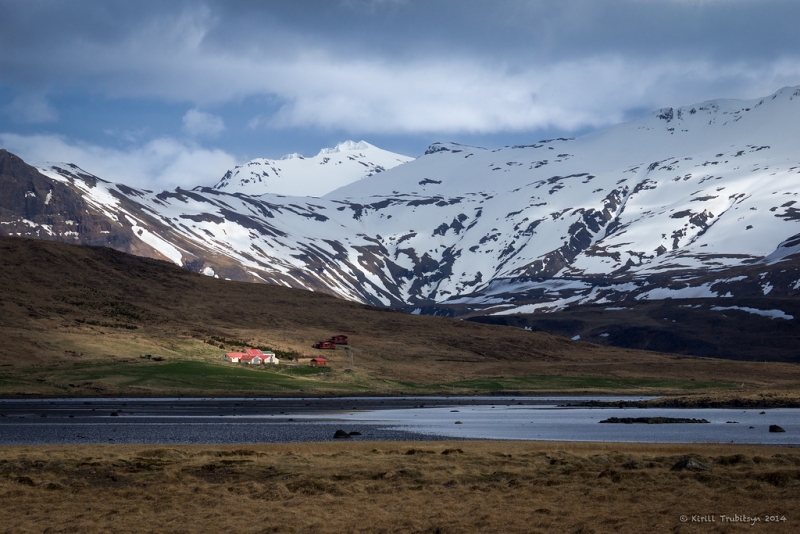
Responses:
[661,207]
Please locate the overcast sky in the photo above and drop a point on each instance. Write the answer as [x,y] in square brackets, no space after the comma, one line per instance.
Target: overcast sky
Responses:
[160,94]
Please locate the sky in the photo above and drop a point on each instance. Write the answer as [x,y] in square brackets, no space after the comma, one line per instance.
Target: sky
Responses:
[172,94]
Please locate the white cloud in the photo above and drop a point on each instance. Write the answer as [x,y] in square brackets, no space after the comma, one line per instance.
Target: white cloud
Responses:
[194,55]
[31,108]
[198,123]
[158,164]
[454,96]
[439,93]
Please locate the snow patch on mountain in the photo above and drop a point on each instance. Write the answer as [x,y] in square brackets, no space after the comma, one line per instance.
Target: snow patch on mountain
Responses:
[772,314]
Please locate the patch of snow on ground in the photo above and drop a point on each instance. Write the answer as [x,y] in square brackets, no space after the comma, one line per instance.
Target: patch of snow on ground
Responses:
[691,292]
[772,314]
[157,242]
[734,279]
[531,308]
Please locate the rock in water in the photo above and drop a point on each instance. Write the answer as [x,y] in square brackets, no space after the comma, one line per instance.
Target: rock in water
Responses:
[652,420]
[690,464]
[341,434]
[776,428]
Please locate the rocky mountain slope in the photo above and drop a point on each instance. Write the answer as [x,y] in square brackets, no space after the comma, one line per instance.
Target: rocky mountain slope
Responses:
[673,205]
[34,205]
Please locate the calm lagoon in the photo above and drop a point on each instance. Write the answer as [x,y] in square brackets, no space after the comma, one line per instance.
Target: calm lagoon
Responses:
[258,420]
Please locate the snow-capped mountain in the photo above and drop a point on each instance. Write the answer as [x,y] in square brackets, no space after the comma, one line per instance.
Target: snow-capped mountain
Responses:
[297,175]
[672,205]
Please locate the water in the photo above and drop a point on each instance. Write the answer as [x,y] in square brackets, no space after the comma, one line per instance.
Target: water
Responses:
[254,420]
[554,423]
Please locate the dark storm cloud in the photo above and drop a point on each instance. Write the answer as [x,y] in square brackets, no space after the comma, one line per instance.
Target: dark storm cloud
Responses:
[721,29]
[397,65]
[34,35]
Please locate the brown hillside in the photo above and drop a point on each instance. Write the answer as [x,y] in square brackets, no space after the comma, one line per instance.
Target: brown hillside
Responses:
[61,302]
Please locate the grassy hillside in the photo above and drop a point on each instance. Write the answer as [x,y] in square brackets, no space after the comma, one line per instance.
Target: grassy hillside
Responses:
[74,320]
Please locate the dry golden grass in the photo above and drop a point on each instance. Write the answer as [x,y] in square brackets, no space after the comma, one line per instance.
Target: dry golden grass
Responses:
[446,487]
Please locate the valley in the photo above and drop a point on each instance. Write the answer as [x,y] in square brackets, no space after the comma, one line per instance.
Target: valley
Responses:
[395,267]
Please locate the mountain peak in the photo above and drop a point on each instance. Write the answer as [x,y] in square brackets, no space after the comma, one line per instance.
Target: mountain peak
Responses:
[297,175]
[346,146]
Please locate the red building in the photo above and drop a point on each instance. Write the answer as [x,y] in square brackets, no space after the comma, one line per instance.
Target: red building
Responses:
[339,340]
[327,344]
[318,362]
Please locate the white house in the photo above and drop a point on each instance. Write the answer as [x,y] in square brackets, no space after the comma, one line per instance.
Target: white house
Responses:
[269,357]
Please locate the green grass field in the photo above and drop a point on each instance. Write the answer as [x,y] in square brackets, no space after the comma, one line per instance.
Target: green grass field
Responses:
[557,383]
[179,377]
[184,377]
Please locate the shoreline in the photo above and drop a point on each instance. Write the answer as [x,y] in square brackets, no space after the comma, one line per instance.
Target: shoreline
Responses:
[763,401]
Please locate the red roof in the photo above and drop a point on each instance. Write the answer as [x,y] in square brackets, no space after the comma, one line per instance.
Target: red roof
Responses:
[235,355]
[319,359]
[254,352]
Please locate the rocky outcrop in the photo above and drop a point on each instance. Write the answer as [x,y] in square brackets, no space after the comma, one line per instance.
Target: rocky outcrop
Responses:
[690,464]
[33,205]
